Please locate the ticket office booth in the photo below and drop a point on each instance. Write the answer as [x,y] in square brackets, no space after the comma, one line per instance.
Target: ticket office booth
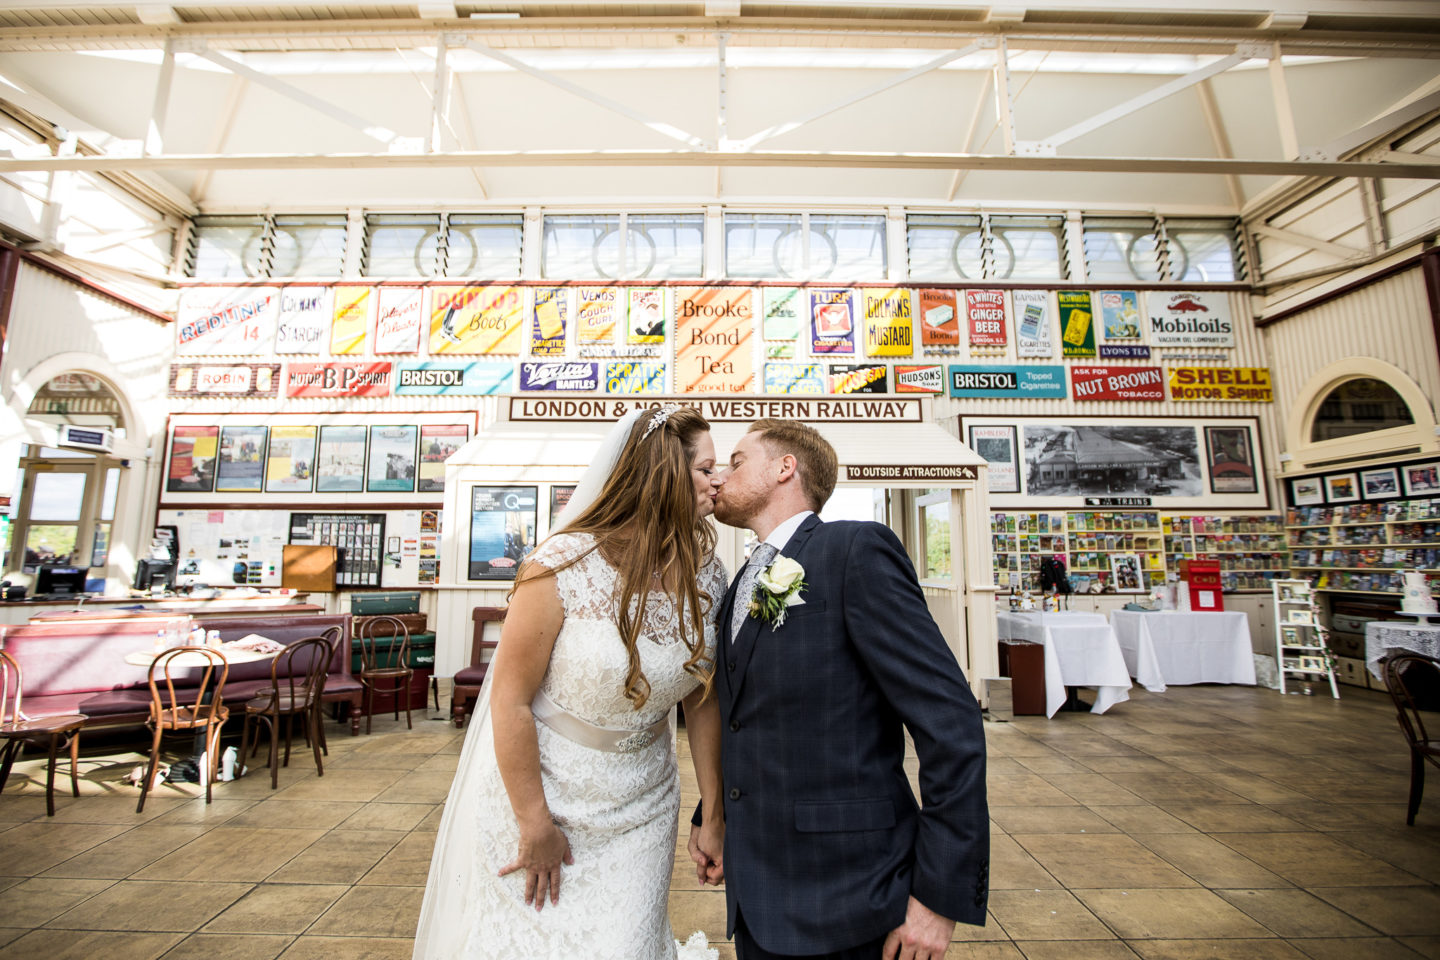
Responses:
[504,489]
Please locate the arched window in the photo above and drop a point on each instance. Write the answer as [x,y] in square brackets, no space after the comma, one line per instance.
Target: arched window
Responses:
[1360,405]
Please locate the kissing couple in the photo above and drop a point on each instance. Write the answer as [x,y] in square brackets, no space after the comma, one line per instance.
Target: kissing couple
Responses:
[799,680]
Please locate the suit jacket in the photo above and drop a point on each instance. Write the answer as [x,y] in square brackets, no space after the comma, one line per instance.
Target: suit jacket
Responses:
[824,841]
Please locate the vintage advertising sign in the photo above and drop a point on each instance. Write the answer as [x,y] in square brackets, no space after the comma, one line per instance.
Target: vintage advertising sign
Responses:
[1120,314]
[399,317]
[238,321]
[713,330]
[784,307]
[939,321]
[574,375]
[352,319]
[547,325]
[454,379]
[1240,384]
[595,309]
[1124,351]
[832,321]
[859,378]
[1116,383]
[1045,382]
[927,378]
[224,380]
[475,319]
[193,451]
[1032,323]
[985,314]
[304,322]
[340,379]
[1077,323]
[635,376]
[646,322]
[724,409]
[1190,318]
[795,378]
[888,322]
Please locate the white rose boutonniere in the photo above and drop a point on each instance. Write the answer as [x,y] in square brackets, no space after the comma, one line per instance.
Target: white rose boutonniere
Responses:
[777,588]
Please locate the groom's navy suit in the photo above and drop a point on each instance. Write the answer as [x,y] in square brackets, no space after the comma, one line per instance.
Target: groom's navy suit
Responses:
[824,842]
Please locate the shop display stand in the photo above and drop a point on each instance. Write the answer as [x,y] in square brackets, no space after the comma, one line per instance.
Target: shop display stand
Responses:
[1300,644]
[1364,547]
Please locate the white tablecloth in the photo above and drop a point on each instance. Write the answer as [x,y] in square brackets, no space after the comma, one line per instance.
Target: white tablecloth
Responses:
[1384,637]
[1209,647]
[1080,651]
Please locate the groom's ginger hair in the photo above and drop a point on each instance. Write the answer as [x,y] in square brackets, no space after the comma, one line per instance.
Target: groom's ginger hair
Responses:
[812,452]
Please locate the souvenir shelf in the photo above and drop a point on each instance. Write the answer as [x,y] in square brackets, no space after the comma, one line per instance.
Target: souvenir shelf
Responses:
[1020,541]
[1363,547]
[1095,535]
[1301,650]
[1251,550]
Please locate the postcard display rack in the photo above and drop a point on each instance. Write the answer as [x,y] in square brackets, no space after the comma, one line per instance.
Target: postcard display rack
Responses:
[1301,649]
[1364,547]
[1250,549]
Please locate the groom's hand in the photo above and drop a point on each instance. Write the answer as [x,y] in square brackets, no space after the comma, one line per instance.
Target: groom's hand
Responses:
[925,935]
[706,852]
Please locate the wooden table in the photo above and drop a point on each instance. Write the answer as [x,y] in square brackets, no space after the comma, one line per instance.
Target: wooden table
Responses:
[145,658]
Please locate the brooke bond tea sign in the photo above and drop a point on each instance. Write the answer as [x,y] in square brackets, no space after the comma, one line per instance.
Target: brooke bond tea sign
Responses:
[1116,383]
[713,330]
[1189,318]
[357,379]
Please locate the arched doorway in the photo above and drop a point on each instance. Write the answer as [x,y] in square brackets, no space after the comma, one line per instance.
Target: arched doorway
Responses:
[1357,409]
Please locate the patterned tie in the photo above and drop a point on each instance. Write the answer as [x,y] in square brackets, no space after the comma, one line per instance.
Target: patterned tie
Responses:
[760,558]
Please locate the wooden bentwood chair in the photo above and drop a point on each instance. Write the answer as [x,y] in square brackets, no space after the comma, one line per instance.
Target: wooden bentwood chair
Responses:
[385,655]
[468,680]
[297,684]
[18,729]
[191,708]
[1408,676]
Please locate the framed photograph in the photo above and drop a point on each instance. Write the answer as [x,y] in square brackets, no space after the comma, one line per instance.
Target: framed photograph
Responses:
[1230,459]
[437,442]
[1306,491]
[340,461]
[1126,573]
[242,460]
[1342,488]
[193,451]
[1295,593]
[1379,484]
[392,460]
[290,466]
[1421,479]
[997,445]
[1290,636]
[502,529]
[1299,616]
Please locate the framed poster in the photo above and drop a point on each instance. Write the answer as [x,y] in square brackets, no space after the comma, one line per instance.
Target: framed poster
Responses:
[1422,479]
[242,459]
[392,460]
[340,461]
[502,529]
[437,442]
[290,467]
[1230,459]
[1126,573]
[997,445]
[559,500]
[1379,484]
[1306,491]
[193,451]
[1342,488]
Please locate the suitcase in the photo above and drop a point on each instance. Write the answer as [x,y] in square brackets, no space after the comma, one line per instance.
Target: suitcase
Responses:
[374,604]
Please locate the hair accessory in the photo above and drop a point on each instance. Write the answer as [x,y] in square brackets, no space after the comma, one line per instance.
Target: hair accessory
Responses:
[658,420]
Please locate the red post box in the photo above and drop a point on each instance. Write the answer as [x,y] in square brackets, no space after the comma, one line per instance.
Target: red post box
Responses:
[1202,581]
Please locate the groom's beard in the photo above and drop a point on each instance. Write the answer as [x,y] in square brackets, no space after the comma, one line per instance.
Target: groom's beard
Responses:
[737,510]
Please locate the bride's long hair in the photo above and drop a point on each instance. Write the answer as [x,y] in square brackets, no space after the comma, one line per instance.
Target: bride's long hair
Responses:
[645,522]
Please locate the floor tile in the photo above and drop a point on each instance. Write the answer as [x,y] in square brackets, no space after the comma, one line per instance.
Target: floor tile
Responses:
[1093,789]
[31,848]
[1049,820]
[1101,861]
[1209,862]
[248,854]
[406,864]
[1229,817]
[151,905]
[34,902]
[342,785]
[342,856]
[1394,911]
[277,908]
[1169,914]
[128,853]
[229,946]
[1045,915]
[89,945]
[1310,859]
[349,948]
[1355,949]
[1293,913]
[1141,818]
[372,912]
[1428,947]
[1075,950]
[1215,950]
[1012,868]
[389,816]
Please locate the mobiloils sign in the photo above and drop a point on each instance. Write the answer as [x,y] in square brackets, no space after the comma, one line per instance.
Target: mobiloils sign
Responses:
[1189,318]
[1045,382]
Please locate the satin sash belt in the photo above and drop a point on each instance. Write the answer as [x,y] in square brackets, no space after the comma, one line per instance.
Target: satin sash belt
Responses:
[586,734]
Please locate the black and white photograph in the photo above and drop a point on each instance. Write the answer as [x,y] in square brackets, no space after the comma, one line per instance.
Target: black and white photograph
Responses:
[997,445]
[1379,484]
[1120,461]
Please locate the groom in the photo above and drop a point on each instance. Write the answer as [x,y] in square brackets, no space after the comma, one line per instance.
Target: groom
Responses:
[826,852]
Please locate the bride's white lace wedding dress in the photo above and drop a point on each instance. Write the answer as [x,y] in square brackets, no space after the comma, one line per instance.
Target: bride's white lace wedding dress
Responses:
[618,809]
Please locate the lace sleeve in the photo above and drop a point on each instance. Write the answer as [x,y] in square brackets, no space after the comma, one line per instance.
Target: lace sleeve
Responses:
[585,591]
[714,581]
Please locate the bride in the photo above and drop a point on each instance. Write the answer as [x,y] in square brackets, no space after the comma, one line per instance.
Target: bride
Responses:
[558,837]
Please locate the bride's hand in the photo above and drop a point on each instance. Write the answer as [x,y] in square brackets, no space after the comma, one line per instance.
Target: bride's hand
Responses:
[710,840]
[540,857]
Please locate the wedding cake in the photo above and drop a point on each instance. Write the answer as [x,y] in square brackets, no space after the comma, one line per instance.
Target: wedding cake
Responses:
[1417,598]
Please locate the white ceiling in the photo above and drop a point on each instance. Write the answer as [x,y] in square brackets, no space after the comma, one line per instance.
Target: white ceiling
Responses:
[583,77]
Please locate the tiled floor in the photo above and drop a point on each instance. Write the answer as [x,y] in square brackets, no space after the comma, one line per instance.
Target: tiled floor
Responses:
[1207,822]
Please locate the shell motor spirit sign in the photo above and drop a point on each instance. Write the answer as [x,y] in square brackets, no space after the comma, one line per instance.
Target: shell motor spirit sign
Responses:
[1242,384]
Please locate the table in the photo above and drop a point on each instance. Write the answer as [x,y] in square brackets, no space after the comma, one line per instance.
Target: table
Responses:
[1384,637]
[1212,647]
[144,658]
[1080,651]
